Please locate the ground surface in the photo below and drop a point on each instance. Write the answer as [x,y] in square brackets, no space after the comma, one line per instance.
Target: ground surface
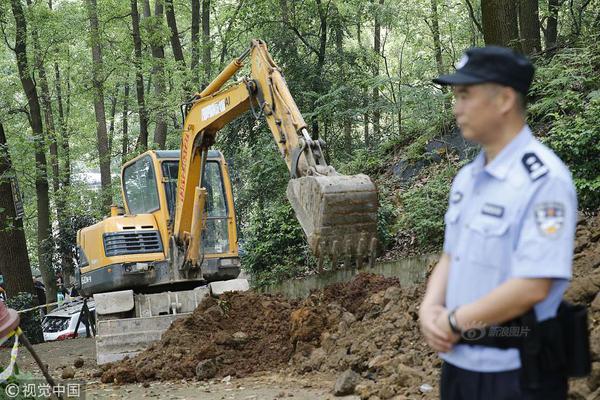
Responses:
[60,355]
[363,333]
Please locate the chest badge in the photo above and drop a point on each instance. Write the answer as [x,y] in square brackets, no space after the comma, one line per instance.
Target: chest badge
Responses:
[493,210]
[550,218]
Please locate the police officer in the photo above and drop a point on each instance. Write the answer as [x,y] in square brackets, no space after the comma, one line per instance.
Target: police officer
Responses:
[509,234]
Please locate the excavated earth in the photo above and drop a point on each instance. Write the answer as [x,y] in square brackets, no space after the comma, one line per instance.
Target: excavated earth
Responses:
[368,325]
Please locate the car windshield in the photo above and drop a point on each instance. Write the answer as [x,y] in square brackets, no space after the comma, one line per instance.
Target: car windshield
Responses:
[52,324]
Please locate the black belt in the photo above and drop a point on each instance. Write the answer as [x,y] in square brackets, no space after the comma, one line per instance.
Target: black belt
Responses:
[560,343]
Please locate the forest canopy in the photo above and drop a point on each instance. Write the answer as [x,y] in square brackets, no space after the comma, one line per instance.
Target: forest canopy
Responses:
[89,84]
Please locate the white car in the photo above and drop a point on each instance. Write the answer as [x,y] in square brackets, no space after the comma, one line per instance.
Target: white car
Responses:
[59,324]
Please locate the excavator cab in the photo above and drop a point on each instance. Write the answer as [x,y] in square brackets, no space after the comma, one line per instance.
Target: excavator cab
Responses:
[132,248]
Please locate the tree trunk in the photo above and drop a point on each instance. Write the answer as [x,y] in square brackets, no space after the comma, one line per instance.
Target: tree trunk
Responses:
[50,130]
[142,142]
[111,124]
[529,26]
[366,135]
[158,72]
[64,142]
[125,136]
[499,21]
[339,46]
[377,50]
[14,259]
[44,233]
[552,25]
[175,42]
[317,81]
[206,42]
[97,83]
[195,41]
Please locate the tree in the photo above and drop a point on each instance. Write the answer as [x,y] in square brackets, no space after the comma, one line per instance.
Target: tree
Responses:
[98,86]
[142,142]
[552,24]
[14,260]
[175,42]
[195,32]
[499,21]
[158,71]
[44,233]
[377,50]
[529,26]
[125,117]
[206,42]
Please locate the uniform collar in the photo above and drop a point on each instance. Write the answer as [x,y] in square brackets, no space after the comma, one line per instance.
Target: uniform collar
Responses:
[500,165]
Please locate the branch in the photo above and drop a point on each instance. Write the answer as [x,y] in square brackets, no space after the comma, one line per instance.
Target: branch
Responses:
[295,30]
[6,38]
[472,14]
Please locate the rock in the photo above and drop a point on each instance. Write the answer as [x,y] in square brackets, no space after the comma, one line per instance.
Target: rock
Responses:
[393,293]
[68,373]
[346,383]
[425,388]
[215,312]
[365,389]
[206,369]
[387,392]
[97,373]
[378,362]
[240,337]
[406,376]
[348,318]
[78,363]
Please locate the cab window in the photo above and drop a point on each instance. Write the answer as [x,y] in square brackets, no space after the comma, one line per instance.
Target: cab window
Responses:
[141,192]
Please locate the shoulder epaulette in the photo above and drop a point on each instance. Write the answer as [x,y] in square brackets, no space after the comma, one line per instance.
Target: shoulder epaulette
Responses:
[534,166]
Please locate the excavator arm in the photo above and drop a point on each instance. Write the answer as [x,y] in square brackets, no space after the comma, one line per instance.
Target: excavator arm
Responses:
[338,213]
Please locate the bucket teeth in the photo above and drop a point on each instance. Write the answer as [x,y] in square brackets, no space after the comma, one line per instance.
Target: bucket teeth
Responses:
[338,214]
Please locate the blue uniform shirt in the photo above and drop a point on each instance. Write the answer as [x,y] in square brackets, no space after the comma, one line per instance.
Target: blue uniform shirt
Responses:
[512,218]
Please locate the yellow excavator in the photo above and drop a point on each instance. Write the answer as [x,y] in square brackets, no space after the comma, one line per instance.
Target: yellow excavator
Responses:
[175,241]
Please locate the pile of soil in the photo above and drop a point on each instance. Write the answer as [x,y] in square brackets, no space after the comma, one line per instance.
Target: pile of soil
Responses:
[242,333]
[585,289]
[368,325]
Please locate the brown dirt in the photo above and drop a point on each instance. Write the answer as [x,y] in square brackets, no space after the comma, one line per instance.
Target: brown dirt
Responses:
[369,324]
[585,289]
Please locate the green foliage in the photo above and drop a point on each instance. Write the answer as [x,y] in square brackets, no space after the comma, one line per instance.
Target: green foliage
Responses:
[386,217]
[423,206]
[567,112]
[275,246]
[31,321]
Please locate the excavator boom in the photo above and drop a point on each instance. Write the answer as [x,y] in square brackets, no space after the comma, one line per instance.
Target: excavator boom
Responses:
[338,213]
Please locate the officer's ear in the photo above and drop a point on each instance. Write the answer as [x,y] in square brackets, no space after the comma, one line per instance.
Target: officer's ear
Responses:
[507,99]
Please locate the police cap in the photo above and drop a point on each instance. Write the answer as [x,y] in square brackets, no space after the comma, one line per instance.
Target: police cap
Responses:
[491,64]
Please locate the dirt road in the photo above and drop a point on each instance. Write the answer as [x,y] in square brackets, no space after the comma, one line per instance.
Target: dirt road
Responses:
[61,355]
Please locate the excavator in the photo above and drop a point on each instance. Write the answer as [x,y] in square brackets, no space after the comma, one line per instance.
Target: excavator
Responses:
[174,241]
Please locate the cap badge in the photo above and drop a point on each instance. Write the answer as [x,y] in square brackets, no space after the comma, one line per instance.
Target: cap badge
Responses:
[462,62]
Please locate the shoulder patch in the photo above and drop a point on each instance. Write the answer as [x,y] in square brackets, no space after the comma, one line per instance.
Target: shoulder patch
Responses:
[550,218]
[534,166]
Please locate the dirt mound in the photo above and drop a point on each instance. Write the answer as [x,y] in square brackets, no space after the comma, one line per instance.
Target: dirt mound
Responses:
[241,333]
[585,289]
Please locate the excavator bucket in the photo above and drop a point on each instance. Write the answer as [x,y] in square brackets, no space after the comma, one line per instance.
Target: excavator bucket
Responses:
[338,214]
